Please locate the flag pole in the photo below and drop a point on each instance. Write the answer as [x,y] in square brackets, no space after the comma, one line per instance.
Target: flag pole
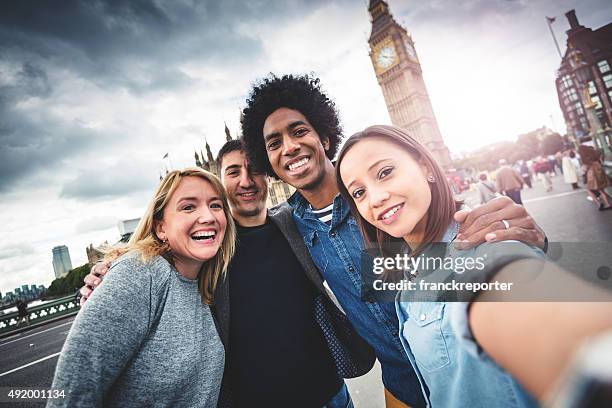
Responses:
[549,21]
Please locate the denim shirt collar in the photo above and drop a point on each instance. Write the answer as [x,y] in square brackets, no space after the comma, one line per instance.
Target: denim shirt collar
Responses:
[451,232]
[302,209]
[298,203]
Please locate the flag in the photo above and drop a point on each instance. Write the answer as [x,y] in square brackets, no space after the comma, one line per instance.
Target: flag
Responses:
[165,156]
[550,19]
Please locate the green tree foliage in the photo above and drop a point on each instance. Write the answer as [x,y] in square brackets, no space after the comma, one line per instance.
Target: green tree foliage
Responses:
[68,284]
[526,147]
[552,144]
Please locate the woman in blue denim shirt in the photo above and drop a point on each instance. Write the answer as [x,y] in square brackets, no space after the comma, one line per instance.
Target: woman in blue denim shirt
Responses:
[396,189]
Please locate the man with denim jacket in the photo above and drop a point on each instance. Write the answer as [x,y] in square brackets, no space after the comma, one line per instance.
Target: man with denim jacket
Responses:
[291,131]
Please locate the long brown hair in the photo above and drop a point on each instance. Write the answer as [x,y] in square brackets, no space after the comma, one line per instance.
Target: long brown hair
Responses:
[442,207]
[145,240]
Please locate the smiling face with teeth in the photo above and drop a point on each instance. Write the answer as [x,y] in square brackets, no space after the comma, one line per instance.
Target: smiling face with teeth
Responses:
[295,150]
[193,224]
[246,190]
[388,186]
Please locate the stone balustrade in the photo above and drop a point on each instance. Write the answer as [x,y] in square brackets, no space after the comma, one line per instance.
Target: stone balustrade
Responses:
[40,313]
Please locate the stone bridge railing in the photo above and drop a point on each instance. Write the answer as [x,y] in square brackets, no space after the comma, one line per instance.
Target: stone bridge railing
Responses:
[40,313]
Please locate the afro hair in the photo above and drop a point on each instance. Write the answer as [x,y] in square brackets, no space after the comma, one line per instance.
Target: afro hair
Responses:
[300,93]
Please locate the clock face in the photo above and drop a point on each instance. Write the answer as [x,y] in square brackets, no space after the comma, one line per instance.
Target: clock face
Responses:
[386,56]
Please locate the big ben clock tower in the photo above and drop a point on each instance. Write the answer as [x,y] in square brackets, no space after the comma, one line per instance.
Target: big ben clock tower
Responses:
[399,74]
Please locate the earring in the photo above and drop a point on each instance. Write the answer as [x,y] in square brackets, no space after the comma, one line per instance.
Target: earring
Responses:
[166,247]
[431,178]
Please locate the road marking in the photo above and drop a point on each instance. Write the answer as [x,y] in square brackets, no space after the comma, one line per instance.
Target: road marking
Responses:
[34,334]
[531,200]
[30,364]
[12,337]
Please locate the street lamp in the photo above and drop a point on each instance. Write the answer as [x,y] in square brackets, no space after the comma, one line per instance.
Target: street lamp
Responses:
[582,73]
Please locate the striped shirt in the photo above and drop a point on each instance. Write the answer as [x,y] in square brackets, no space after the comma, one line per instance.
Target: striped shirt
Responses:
[324,214]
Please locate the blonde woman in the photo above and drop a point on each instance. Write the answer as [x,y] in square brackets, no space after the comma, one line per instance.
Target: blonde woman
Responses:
[147,336]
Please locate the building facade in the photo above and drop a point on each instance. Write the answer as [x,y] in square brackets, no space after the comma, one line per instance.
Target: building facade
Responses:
[208,162]
[539,134]
[61,260]
[584,79]
[95,254]
[278,192]
[127,228]
[400,76]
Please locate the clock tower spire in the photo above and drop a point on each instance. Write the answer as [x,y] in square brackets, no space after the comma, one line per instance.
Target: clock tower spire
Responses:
[399,74]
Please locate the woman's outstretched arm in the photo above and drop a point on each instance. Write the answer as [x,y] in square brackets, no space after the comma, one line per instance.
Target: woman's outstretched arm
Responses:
[536,341]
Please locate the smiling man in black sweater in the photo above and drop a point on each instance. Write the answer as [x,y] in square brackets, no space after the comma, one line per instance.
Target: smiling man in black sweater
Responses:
[278,350]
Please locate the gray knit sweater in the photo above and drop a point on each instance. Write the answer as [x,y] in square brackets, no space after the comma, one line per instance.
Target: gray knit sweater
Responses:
[144,338]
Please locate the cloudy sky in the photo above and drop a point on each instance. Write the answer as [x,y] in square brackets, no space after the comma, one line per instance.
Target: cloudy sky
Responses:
[93,94]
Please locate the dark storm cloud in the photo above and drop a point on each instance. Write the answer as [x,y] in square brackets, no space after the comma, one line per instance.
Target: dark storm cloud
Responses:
[34,80]
[133,45]
[30,144]
[111,41]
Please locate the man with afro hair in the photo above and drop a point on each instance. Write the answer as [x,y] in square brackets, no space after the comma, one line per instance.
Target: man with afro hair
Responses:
[299,93]
[291,131]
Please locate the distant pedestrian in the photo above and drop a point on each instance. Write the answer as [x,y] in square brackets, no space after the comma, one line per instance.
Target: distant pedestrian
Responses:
[575,158]
[486,189]
[569,170]
[525,173]
[559,161]
[534,166]
[22,309]
[596,178]
[552,162]
[543,171]
[509,182]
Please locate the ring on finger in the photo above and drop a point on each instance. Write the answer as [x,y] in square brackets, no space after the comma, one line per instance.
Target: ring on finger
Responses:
[506,224]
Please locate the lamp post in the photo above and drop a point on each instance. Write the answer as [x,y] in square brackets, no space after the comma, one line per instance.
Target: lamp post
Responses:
[582,74]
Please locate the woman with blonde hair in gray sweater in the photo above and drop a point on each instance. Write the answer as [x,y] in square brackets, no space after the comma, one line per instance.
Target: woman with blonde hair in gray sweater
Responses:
[147,336]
